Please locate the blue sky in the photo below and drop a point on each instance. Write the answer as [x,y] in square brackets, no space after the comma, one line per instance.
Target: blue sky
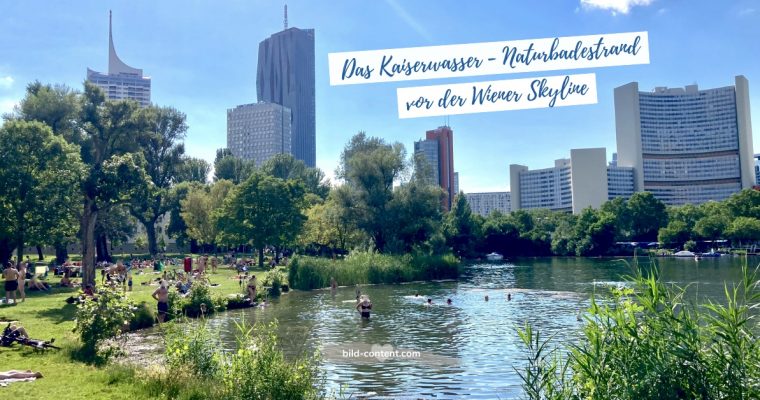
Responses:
[201,56]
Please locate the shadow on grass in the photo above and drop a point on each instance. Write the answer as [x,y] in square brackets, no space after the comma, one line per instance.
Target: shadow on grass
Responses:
[56,316]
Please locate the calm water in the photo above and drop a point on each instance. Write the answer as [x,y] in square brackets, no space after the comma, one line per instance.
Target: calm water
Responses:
[468,349]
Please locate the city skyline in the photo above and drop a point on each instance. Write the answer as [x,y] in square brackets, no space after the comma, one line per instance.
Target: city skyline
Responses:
[203,62]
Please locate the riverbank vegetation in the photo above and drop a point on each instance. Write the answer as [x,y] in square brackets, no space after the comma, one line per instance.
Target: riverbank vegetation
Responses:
[651,341]
[307,273]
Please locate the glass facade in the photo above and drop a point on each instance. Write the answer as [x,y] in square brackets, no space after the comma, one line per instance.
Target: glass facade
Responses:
[427,152]
[258,131]
[619,181]
[285,76]
[690,144]
[547,188]
[122,86]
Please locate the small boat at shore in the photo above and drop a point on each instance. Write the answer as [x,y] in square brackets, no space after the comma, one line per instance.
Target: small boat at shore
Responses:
[684,253]
[494,257]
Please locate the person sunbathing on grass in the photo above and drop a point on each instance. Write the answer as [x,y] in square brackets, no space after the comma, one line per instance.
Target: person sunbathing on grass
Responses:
[15,374]
[35,284]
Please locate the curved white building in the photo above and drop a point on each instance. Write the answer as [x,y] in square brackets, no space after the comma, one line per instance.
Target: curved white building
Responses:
[122,81]
[686,145]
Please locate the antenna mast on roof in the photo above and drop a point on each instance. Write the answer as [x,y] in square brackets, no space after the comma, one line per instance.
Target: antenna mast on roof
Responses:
[286,16]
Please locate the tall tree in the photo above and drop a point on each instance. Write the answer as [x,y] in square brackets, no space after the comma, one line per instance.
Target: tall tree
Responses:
[648,215]
[369,167]
[109,133]
[161,146]
[39,178]
[193,170]
[460,229]
[285,166]
[199,210]
[177,228]
[263,211]
[57,106]
[233,169]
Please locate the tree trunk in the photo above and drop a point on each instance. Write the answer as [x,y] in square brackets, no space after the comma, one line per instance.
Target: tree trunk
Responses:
[19,251]
[150,231]
[103,254]
[89,217]
[39,253]
[6,250]
[261,257]
[61,253]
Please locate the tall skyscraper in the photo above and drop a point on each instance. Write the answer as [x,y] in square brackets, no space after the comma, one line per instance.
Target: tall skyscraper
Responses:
[686,145]
[757,169]
[122,81]
[438,150]
[258,131]
[286,76]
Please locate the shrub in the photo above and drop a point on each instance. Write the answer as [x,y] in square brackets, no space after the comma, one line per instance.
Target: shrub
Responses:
[258,370]
[100,318]
[648,342]
[274,279]
[143,317]
[199,301]
[193,348]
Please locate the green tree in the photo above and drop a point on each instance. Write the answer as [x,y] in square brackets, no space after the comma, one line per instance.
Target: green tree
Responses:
[177,228]
[369,167]
[233,169]
[285,166]
[263,211]
[108,136]
[115,226]
[500,234]
[460,228]
[745,204]
[193,170]
[161,146]
[675,233]
[39,179]
[744,230]
[415,214]
[594,232]
[648,215]
[618,207]
[199,209]
[57,107]
[711,226]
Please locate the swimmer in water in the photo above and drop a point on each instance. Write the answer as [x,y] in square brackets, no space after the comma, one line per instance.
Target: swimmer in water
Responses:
[448,301]
[333,284]
[509,296]
[486,297]
[417,294]
[364,306]
[430,302]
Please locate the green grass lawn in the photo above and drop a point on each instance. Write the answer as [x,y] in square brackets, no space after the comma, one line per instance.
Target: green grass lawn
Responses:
[46,315]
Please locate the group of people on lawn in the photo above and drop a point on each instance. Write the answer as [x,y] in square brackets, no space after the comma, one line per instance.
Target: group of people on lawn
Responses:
[19,277]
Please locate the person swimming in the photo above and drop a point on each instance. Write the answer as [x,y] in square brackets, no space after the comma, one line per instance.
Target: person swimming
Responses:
[429,302]
[509,296]
[364,306]
[417,294]
[448,301]
[486,297]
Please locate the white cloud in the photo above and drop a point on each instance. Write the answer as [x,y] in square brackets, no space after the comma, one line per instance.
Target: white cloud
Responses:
[616,6]
[6,106]
[6,82]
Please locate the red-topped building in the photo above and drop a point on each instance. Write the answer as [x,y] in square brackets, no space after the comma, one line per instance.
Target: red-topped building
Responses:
[438,149]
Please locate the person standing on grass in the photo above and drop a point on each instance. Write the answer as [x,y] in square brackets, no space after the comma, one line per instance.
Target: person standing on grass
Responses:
[22,280]
[162,297]
[10,274]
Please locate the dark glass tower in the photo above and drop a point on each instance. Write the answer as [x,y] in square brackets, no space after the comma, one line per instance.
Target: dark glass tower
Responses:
[286,76]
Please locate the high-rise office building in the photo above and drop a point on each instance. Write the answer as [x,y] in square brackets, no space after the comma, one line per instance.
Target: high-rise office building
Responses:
[757,169]
[572,184]
[686,145]
[285,76]
[486,203]
[122,82]
[438,150]
[258,131]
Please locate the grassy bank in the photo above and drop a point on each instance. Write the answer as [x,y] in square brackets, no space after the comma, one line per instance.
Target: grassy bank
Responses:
[46,315]
[306,273]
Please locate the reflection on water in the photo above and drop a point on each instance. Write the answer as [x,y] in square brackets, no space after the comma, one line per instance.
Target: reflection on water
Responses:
[467,349]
